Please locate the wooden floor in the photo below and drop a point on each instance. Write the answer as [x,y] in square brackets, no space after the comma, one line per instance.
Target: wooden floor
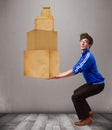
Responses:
[60,121]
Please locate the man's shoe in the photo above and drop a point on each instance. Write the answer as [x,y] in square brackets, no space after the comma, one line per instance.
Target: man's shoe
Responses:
[87,121]
[78,122]
[90,114]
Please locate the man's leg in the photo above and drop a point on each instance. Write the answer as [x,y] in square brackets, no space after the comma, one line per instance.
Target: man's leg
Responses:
[81,106]
[79,99]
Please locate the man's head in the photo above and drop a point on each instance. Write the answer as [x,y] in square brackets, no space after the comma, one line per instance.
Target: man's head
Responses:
[86,41]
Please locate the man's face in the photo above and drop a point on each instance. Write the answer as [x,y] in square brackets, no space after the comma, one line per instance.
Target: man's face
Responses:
[84,44]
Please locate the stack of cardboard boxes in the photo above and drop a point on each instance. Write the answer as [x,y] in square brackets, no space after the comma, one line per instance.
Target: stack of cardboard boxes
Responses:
[41,58]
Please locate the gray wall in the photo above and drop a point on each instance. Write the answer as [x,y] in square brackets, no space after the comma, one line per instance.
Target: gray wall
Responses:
[72,17]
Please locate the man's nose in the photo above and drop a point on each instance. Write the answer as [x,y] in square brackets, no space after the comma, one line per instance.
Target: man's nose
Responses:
[82,43]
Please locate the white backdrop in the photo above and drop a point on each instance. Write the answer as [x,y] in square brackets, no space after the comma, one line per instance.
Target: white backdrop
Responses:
[72,17]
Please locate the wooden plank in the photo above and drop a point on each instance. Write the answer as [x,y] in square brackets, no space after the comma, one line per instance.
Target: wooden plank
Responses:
[74,118]
[65,122]
[27,123]
[7,118]
[56,126]
[52,122]
[2,114]
[14,122]
[107,116]
[101,123]
[40,122]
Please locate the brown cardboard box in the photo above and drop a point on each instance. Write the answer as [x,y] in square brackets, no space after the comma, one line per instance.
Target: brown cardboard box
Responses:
[45,21]
[36,63]
[44,24]
[54,63]
[41,58]
[40,40]
[41,63]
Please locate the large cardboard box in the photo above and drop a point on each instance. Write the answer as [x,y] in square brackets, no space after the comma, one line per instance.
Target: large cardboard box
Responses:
[41,63]
[41,40]
[54,63]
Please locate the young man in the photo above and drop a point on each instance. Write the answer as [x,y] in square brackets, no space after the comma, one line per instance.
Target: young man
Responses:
[94,81]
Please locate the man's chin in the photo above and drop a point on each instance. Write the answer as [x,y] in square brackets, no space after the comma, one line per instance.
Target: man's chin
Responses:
[83,49]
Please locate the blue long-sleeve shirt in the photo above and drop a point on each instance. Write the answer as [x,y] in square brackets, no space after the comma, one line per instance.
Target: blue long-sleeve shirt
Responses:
[87,66]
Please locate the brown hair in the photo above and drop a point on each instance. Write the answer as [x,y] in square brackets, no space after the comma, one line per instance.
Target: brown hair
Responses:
[86,35]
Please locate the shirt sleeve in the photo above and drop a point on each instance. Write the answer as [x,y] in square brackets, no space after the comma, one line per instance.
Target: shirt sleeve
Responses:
[83,64]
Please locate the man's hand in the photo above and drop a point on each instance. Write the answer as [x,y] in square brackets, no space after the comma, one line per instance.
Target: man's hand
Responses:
[56,77]
[64,74]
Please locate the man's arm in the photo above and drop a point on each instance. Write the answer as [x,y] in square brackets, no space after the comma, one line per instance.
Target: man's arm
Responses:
[65,74]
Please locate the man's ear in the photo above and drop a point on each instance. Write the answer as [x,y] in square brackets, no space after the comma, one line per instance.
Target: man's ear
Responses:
[90,45]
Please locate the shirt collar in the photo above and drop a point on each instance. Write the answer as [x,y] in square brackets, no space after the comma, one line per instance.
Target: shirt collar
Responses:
[84,52]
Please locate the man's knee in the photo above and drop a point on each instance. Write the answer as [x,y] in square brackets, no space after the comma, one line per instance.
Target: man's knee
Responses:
[74,97]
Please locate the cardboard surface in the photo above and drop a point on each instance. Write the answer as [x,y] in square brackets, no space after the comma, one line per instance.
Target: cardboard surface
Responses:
[44,24]
[54,63]
[41,63]
[45,21]
[38,40]
[36,63]
[41,58]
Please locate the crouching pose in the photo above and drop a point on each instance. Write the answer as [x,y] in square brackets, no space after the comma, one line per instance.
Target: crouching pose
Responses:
[94,81]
